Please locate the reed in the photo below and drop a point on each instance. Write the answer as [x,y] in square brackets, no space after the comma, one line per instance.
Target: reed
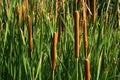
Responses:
[23,12]
[76,1]
[87,69]
[29,34]
[88,12]
[27,4]
[76,31]
[18,14]
[61,26]
[93,10]
[54,50]
[84,28]
[56,9]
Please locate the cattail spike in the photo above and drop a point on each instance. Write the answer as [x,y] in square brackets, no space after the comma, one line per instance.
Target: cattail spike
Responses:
[27,5]
[56,9]
[76,1]
[76,30]
[87,69]
[29,34]
[93,10]
[84,28]
[54,50]
[23,12]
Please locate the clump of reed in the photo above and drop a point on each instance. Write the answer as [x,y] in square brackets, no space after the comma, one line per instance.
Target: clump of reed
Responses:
[76,34]
[54,52]
[29,34]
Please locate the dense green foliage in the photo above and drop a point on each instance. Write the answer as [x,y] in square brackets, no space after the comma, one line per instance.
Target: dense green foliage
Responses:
[17,63]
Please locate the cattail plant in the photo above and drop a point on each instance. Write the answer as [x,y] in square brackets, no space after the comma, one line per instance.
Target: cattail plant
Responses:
[56,9]
[54,50]
[18,14]
[88,12]
[61,26]
[118,13]
[27,4]
[76,31]
[29,34]
[75,1]
[84,28]
[93,10]
[23,12]
[87,69]
[0,5]
[23,17]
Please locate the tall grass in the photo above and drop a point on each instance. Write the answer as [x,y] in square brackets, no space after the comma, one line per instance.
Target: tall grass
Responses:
[100,45]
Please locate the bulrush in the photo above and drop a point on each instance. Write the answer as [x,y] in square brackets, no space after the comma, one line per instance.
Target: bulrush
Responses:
[61,26]
[23,12]
[88,13]
[76,1]
[76,30]
[27,5]
[54,50]
[18,14]
[29,34]
[84,28]
[56,9]
[87,69]
[93,10]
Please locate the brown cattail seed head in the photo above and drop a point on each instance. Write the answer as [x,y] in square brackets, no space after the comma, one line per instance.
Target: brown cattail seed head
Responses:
[56,9]
[27,4]
[76,1]
[93,10]
[55,36]
[23,12]
[76,30]
[87,69]
[18,14]
[84,28]
[29,34]
[61,26]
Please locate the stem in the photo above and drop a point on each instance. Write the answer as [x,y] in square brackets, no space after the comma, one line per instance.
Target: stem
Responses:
[76,68]
[52,74]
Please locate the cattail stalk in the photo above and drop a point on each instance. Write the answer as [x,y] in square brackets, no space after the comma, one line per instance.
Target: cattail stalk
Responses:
[18,14]
[55,35]
[76,1]
[87,69]
[23,12]
[29,34]
[61,26]
[118,14]
[93,10]
[84,28]
[54,50]
[88,13]
[56,9]
[76,30]
[27,4]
